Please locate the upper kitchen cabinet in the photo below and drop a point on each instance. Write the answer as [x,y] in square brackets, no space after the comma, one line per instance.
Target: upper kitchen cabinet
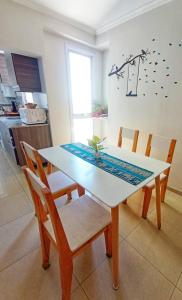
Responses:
[27,73]
[4,78]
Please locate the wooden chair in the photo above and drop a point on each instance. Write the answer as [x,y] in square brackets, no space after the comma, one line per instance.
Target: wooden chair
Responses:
[70,228]
[57,182]
[158,142]
[130,134]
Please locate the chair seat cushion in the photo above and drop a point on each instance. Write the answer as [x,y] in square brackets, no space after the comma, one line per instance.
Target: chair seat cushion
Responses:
[151,184]
[59,181]
[81,220]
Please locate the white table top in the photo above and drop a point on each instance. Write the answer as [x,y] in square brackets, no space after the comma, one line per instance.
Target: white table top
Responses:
[108,188]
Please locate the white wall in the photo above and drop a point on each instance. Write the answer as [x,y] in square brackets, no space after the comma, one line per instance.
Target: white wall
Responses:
[56,75]
[25,31]
[155,114]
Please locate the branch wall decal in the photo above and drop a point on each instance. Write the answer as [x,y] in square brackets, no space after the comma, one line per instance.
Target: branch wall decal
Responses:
[156,77]
[115,70]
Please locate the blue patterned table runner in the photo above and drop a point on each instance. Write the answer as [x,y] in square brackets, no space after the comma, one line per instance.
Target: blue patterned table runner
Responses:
[119,168]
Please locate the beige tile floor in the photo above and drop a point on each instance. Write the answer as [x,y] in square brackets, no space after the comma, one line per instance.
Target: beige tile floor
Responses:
[150,260]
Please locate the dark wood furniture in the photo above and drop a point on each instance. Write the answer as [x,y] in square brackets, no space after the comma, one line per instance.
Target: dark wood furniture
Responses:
[27,73]
[37,136]
[13,131]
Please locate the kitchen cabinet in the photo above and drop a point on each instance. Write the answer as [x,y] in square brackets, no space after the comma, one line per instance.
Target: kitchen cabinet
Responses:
[7,140]
[12,132]
[38,136]
[27,73]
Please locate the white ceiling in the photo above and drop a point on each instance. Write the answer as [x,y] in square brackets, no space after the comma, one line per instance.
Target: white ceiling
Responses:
[99,15]
[88,12]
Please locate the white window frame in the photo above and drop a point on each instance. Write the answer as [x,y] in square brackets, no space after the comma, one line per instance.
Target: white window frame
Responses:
[85,52]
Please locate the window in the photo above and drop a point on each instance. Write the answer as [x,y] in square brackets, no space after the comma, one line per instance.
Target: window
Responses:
[27,97]
[81,96]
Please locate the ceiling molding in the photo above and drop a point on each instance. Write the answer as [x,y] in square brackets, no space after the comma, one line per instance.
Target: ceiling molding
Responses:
[52,14]
[70,37]
[101,29]
[132,14]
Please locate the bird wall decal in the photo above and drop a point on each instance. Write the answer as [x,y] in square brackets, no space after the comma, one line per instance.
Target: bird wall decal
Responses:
[131,68]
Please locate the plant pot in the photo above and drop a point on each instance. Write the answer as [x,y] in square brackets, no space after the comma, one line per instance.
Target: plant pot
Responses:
[97,154]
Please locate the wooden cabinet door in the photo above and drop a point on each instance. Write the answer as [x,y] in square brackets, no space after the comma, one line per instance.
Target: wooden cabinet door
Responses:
[38,136]
[27,73]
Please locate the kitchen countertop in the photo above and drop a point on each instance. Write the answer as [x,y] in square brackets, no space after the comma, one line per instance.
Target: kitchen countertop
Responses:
[12,122]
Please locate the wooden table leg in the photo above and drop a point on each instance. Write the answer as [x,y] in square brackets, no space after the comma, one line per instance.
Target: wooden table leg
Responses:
[115,246]
[158,201]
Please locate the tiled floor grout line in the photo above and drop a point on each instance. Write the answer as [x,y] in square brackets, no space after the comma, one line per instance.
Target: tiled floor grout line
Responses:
[178,281]
[20,258]
[84,292]
[126,239]
[139,223]
[16,219]
[10,165]
[22,189]
[135,227]
[172,293]
[98,265]
[174,286]
[19,181]
[92,270]
[22,186]
[155,267]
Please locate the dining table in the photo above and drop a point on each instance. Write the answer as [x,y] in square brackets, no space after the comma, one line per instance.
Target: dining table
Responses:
[111,190]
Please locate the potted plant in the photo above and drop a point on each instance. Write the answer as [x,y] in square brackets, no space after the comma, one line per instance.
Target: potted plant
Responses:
[96,143]
[99,110]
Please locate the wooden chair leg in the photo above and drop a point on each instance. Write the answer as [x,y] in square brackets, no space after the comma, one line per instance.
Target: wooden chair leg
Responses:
[158,201]
[69,196]
[81,191]
[146,202]
[163,190]
[115,246]
[49,168]
[108,241]
[66,272]
[45,246]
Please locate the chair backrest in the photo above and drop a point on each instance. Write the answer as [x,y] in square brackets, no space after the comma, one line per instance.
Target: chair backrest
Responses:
[130,134]
[162,144]
[40,209]
[42,197]
[33,160]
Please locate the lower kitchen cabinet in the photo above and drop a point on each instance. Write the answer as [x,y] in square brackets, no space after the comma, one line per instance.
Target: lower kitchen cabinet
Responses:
[38,136]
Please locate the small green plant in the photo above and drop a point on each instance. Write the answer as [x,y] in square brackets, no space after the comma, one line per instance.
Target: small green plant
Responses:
[96,143]
[99,109]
